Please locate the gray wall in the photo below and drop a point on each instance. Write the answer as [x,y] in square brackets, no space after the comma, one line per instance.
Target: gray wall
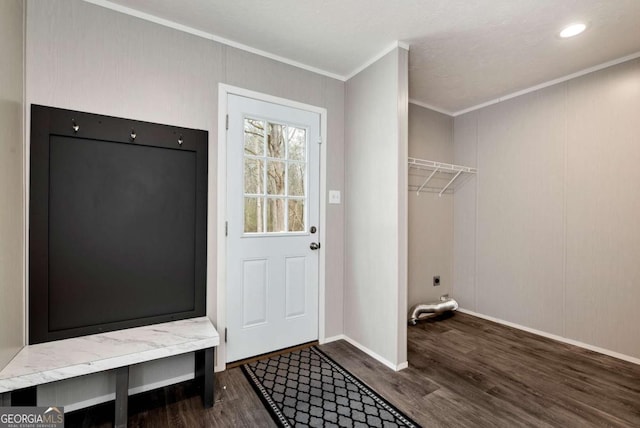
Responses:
[11,179]
[430,216]
[84,57]
[376,170]
[548,236]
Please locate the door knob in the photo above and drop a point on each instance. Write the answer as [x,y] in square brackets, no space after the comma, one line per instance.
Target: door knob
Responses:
[314,245]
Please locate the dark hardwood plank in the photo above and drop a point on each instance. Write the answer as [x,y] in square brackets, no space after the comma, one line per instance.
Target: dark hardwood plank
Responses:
[463,372]
[180,405]
[486,374]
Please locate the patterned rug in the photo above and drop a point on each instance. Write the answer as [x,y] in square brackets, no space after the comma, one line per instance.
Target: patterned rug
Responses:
[307,388]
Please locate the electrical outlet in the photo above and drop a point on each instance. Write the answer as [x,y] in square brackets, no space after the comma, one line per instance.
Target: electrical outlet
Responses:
[436,280]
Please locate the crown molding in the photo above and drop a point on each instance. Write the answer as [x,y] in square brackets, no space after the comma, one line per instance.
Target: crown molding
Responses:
[382,53]
[430,107]
[205,35]
[550,83]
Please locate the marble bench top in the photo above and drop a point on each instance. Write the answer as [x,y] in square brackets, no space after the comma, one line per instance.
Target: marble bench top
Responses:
[63,359]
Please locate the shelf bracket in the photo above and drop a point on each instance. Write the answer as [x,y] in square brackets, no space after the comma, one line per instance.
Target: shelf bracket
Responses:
[449,183]
[428,179]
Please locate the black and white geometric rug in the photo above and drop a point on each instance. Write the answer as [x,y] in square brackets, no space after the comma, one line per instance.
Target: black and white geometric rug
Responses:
[307,388]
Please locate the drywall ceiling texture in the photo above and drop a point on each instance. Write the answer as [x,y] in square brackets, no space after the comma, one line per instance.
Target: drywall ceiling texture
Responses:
[84,57]
[499,47]
[376,168]
[548,236]
[463,52]
[430,216]
[11,179]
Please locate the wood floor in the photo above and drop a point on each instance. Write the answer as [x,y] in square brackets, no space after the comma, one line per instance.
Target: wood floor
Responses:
[463,372]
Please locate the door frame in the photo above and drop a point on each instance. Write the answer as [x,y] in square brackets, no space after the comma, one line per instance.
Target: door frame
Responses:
[224,91]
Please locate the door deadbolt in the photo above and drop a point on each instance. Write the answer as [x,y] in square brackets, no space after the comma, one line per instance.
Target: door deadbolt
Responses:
[313,229]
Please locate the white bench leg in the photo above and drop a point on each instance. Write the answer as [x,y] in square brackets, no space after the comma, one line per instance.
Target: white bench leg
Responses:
[122,397]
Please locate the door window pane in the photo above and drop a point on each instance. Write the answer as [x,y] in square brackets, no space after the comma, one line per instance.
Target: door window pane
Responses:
[296,215]
[275,178]
[275,175]
[275,140]
[275,215]
[253,176]
[296,179]
[253,137]
[253,215]
[297,142]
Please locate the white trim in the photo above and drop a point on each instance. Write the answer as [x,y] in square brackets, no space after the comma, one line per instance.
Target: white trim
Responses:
[550,83]
[26,162]
[221,243]
[376,57]
[402,366]
[366,350]
[205,35]
[224,91]
[132,391]
[555,337]
[209,36]
[323,225]
[162,383]
[376,356]
[90,402]
[397,44]
[430,107]
[333,339]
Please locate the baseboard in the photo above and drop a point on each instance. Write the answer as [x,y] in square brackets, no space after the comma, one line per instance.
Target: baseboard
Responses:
[366,350]
[88,403]
[333,339]
[132,391]
[555,337]
[402,366]
[369,352]
[160,384]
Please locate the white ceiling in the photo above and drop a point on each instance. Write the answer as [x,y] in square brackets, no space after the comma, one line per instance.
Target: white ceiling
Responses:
[462,52]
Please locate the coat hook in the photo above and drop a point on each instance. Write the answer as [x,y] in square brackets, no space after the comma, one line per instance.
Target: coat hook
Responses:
[75,126]
[180,140]
[133,135]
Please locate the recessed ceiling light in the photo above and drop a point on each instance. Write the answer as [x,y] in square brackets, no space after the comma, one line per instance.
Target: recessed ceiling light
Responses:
[572,30]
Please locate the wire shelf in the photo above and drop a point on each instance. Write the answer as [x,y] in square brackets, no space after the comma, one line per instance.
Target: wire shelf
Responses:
[453,173]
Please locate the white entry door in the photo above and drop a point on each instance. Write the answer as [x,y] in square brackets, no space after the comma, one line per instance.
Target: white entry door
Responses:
[273,177]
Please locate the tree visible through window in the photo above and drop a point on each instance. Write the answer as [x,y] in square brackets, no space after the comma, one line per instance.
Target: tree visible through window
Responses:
[274,177]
